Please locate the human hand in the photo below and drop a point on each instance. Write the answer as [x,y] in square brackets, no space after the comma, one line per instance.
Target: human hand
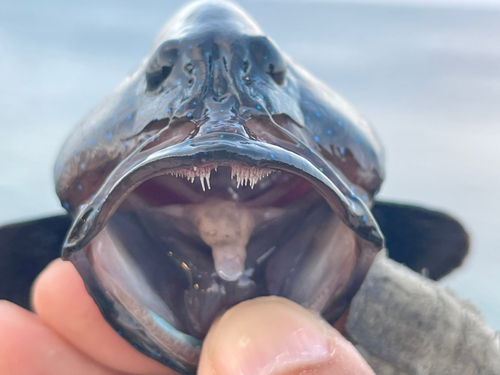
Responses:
[68,336]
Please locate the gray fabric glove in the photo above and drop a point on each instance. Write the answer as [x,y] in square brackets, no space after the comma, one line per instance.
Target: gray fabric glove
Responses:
[403,323]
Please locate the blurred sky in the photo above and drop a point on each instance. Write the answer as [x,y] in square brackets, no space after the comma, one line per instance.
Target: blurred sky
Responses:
[426,75]
[424,3]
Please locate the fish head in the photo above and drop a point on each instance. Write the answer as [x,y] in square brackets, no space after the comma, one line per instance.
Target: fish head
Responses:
[219,171]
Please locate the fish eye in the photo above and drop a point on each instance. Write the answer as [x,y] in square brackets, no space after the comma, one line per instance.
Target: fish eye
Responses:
[161,64]
[267,55]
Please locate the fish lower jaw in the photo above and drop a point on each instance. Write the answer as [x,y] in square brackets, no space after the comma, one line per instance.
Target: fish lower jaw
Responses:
[244,176]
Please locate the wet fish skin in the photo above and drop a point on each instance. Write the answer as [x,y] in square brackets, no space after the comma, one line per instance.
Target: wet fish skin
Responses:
[215,89]
[222,65]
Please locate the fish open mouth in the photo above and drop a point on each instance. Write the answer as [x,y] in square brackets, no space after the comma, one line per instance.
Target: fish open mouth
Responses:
[175,238]
[222,220]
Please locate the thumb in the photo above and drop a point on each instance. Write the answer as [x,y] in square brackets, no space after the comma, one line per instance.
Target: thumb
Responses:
[272,335]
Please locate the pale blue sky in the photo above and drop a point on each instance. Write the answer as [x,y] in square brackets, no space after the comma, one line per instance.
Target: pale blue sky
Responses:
[425,3]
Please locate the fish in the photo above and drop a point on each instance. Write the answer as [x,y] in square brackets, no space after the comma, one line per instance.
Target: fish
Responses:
[220,171]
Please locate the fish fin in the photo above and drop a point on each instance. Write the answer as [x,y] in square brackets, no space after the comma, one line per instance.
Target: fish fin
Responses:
[25,249]
[429,242]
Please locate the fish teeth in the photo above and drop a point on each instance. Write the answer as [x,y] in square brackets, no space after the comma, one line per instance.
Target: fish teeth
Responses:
[208,180]
[248,176]
[244,176]
[204,175]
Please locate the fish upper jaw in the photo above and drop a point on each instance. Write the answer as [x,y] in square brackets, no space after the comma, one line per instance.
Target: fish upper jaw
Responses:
[221,149]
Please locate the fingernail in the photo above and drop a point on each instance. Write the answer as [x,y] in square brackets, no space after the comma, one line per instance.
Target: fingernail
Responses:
[265,336]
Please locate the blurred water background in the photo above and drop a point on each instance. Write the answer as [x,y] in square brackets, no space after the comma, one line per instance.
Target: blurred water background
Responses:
[426,73]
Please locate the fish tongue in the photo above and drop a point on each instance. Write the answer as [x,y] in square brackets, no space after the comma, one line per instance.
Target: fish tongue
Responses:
[226,227]
[229,261]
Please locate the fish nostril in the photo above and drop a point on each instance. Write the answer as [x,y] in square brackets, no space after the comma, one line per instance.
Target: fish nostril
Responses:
[245,66]
[226,68]
[189,68]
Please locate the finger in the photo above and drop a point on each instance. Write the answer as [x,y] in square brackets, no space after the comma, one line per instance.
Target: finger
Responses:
[272,335]
[30,348]
[63,304]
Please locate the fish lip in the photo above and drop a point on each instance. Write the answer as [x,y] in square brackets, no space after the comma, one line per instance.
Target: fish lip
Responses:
[220,149]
